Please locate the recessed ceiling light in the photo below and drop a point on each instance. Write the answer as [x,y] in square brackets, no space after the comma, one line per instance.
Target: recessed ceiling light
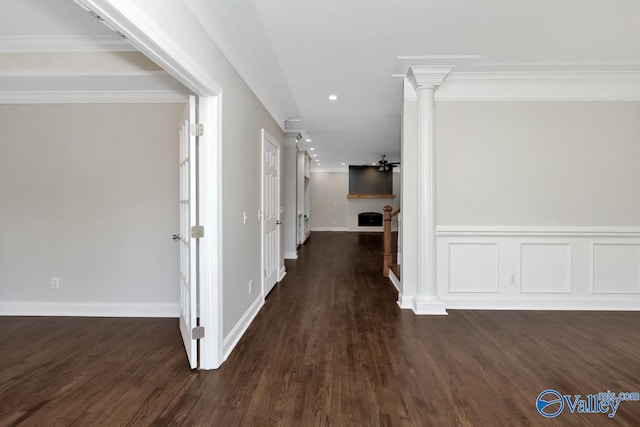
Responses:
[308,140]
[317,160]
[374,164]
[333,97]
[311,148]
[343,164]
[314,155]
[319,164]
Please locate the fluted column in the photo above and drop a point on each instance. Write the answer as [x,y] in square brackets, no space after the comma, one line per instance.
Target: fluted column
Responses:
[425,82]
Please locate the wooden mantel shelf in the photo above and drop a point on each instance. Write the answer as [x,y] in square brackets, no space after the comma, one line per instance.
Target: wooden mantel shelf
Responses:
[371,196]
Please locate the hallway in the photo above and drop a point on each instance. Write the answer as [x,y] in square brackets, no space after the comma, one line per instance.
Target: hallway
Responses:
[330,347]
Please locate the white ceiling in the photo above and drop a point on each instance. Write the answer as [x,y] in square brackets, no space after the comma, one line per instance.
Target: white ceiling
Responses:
[295,53]
[351,48]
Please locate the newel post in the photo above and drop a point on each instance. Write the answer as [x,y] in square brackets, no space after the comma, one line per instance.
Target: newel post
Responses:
[386,262]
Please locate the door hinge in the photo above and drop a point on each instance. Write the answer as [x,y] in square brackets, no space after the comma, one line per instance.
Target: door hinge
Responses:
[197,333]
[197,231]
[196,129]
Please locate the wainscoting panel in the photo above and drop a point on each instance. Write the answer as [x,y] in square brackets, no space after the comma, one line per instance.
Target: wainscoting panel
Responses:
[538,268]
[473,267]
[616,268]
[545,268]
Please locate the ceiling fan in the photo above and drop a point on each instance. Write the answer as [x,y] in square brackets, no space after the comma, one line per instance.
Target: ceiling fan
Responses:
[384,165]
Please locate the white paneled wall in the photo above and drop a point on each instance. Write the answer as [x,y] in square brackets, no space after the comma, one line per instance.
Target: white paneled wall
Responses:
[539,268]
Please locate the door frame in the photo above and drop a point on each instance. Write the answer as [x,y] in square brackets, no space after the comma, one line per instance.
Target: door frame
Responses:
[264,138]
[145,36]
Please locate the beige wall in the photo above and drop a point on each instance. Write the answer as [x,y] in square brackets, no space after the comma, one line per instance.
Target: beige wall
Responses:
[329,199]
[538,163]
[88,193]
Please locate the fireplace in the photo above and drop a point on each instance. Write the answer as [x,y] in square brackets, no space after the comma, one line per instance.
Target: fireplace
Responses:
[370,219]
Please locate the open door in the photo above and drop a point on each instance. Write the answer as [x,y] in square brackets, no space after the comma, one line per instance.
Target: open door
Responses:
[270,216]
[189,233]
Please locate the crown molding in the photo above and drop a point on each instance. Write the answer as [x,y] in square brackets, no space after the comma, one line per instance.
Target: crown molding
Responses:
[536,86]
[46,44]
[82,87]
[541,86]
[93,97]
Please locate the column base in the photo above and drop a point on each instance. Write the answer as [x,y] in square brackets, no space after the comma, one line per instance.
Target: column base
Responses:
[429,306]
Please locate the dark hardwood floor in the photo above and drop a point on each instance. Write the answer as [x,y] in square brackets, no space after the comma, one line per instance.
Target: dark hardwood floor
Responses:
[329,348]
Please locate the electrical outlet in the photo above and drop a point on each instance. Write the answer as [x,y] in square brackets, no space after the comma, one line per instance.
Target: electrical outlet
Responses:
[250,286]
[55,283]
[245,217]
[512,280]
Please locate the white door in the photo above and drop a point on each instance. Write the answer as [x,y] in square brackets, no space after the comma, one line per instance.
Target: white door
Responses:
[270,213]
[188,244]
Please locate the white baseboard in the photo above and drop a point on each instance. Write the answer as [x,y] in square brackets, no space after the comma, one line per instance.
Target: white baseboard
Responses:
[429,307]
[551,303]
[394,280]
[329,229]
[88,309]
[405,302]
[367,229]
[291,255]
[283,272]
[231,340]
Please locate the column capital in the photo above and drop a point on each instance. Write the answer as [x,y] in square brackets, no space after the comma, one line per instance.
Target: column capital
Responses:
[428,77]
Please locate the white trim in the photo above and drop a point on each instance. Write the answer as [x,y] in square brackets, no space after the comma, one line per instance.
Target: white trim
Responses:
[283,272]
[405,302]
[57,44]
[429,306]
[93,97]
[394,280]
[210,214]
[88,309]
[554,302]
[291,255]
[364,229]
[157,74]
[231,340]
[540,86]
[330,229]
[534,231]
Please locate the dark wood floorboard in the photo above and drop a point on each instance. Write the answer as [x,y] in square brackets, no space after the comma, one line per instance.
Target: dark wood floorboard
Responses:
[329,348]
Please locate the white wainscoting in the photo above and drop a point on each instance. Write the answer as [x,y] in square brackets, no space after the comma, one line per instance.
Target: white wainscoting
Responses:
[539,268]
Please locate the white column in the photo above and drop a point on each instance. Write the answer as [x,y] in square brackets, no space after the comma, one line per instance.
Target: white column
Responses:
[426,300]
[425,81]
[289,220]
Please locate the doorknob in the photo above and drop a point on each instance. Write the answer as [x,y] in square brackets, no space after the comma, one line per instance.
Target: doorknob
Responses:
[176,237]
[278,222]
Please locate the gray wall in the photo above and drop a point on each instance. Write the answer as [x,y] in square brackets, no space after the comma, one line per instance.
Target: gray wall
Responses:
[88,193]
[538,163]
